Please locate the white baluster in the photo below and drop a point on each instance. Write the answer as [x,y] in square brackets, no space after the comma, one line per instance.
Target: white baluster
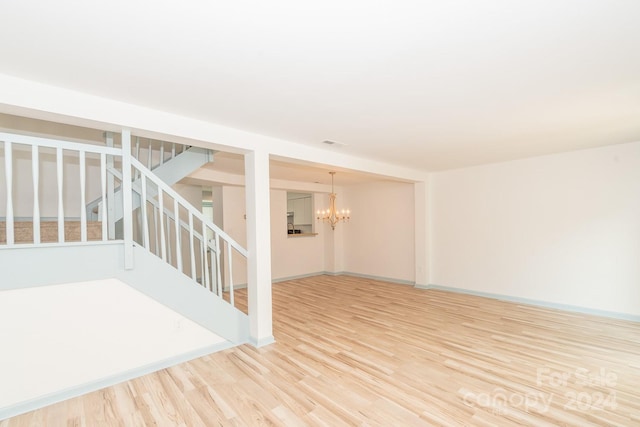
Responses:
[168,234]
[214,288]
[205,264]
[218,267]
[173,150]
[8,170]
[161,152]
[149,156]
[111,186]
[143,205]
[103,189]
[60,198]
[202,272]
[155,230]
[127,200]
[191,249]
[176,220]
[215,282]
[230,273]
[83,204]
[35,168]
[213,267]
[136,172]
[163,244]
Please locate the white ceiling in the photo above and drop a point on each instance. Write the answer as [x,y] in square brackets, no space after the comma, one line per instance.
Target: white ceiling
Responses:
[425,84]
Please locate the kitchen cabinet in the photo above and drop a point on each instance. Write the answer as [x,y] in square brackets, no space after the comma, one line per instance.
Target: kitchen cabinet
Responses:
[302,210]
[300,206]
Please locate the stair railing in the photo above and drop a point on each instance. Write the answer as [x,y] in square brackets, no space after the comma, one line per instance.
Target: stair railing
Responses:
[65,153]
[221,253]
[172,229]
[164,223]
[152,153]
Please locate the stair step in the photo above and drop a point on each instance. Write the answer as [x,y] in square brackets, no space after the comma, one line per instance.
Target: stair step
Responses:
[23,231]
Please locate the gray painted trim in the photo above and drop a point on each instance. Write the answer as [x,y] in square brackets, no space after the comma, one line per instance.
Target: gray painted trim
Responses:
[5,247]
[300,276]
[344,273]
[262,341]
[59,396]
[104,260]
[163,283]
[382,279]
[538,303]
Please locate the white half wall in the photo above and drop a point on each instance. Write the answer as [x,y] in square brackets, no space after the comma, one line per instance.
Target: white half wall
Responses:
[562,229]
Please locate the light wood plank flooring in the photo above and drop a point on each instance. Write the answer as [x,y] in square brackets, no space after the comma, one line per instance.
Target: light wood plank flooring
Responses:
[352,351]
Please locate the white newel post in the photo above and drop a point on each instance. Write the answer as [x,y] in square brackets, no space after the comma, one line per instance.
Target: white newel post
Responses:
[422,218]
[127,195]
[256,165]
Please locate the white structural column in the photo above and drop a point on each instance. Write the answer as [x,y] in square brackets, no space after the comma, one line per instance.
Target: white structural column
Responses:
[256,165]
[422,220]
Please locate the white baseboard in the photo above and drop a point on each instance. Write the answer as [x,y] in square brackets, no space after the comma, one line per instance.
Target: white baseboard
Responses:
[344,273]
[369,276]
[262,341]
[300,276]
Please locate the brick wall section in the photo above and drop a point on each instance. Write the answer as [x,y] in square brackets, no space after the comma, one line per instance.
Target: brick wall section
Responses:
[23,231]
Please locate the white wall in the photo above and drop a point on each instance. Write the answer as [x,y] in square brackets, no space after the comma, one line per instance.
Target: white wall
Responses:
[235,225]
[563,228]
[379,239]
[293,256]
[377,242]
[290,256]
[361,246]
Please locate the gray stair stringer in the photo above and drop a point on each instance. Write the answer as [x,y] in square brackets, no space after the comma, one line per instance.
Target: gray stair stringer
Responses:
[27,267]
[160,281]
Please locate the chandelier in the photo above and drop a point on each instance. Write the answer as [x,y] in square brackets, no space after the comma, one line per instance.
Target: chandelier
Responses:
[333,215]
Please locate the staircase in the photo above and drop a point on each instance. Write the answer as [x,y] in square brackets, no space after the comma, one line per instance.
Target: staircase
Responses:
[136,228]
[169,162]
[133,205]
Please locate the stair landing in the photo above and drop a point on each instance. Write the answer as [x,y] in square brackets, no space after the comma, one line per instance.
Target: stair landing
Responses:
[79,337]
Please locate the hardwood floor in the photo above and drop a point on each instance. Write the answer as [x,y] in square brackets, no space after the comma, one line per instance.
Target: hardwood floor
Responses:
[353,351]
